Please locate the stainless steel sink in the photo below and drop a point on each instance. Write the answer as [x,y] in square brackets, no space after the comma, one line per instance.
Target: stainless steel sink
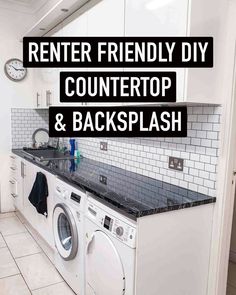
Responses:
[47,155]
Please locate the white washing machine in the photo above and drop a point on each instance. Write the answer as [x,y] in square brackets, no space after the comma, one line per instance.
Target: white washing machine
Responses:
[110,251]
[68,229]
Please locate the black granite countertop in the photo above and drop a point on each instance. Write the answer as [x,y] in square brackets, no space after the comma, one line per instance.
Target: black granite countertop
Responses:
[129,193]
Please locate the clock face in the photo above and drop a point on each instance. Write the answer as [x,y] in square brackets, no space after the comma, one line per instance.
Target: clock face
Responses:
[14,69]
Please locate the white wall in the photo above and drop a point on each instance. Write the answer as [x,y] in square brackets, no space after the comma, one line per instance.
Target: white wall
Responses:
[12,25]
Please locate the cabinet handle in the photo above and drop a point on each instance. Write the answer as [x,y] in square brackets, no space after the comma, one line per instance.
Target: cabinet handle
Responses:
[14,195]
[12,182]
[22,170]
[13,168]
[38,95]
[48,98]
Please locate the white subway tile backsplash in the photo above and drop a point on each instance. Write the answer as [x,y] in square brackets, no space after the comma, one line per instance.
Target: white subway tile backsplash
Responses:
[205,159]
[193,186]
[204,174]
[207,126]
[24,122]
[147,156]
[205,142]
[204,190]
[199,165]
[209,183]
[195,141]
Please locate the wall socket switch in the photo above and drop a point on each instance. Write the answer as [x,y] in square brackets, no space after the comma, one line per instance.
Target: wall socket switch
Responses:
[103,179]
[176,164]
[103,146]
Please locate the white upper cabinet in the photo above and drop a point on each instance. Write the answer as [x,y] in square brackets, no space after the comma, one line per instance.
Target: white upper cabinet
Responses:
[153,18]
[162,18]
[106,18]
[74,26]
[48,79]
[47,83]
[156,18]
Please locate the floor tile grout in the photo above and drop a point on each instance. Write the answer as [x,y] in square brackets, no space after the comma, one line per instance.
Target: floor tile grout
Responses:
[15,275]
[28,255]
[18,267]
[21,257]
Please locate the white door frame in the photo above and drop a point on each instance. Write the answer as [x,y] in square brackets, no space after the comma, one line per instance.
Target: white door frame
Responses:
[223,216]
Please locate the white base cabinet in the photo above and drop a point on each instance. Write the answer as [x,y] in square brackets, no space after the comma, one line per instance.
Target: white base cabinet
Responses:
[173,252]
[24,178]
[15,182]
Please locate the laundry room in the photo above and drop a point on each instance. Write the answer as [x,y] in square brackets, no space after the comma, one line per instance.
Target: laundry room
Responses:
[118,163]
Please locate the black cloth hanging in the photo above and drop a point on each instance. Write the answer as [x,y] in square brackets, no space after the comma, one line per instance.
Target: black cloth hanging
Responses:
[39,193]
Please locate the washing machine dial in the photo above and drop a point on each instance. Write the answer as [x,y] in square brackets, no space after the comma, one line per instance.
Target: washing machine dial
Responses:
[119,231]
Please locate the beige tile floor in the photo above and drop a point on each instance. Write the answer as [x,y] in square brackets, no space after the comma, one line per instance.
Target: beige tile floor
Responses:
[24,267]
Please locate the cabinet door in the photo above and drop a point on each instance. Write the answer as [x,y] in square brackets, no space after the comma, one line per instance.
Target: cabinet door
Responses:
[106,19]
[76,27]
[38,101]
[29,174]
[46,78]
[158,18]
[15,182]
[38,221]
[47,84]
[44,224]
[18,201]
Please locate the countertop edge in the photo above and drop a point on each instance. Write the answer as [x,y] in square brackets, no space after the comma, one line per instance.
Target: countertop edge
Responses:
[132,216]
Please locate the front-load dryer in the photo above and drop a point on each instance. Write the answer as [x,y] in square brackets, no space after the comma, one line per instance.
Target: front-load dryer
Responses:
[68,229]
[110,251]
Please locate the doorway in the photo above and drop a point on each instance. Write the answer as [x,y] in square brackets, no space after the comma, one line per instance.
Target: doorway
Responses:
[231,282]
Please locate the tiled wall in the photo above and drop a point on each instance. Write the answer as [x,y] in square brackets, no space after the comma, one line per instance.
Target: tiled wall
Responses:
[24,122]
[149,156]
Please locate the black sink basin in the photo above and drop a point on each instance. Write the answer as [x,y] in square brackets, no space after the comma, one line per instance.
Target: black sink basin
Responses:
[47,154]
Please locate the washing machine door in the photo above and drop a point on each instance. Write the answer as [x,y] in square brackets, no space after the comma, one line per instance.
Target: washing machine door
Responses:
[105,274]
[65,232]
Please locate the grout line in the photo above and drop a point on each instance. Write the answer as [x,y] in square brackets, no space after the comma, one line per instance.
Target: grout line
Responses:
[48,286]
[15,234]
[28,255]
[18,267]
[15,275]
[42,252]
[45,255]
[9,235]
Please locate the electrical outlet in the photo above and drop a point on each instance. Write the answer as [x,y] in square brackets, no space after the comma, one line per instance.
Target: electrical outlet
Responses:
[103,179]
[176,164]
[103,146]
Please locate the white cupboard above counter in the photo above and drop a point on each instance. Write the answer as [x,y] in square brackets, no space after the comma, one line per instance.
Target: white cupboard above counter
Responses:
[145,18]
[169,18]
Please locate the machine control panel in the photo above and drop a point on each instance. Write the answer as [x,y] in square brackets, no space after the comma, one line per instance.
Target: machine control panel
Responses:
[108,222]
[120,231]
[68,193]
[118,228]
[75,197]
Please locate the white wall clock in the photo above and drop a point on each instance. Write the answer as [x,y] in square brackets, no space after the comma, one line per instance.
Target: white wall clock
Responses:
[14,70]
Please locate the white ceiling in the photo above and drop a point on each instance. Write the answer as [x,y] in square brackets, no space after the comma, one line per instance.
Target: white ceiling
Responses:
[24,2]
[27,6]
